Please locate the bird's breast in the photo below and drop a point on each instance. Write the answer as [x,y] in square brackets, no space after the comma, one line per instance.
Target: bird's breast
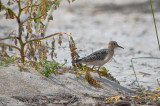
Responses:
[108,57]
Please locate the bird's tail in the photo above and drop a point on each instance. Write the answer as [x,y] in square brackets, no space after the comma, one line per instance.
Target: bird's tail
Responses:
[76,61]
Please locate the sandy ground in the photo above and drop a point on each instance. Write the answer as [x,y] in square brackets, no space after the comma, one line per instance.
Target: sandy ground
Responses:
[94,23]
[31,88]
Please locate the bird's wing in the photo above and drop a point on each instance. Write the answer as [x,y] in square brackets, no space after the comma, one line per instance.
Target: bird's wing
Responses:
[98,55]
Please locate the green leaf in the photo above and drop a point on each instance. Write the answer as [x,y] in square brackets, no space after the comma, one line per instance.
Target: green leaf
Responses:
[53,71]
[20,69]
[46,71]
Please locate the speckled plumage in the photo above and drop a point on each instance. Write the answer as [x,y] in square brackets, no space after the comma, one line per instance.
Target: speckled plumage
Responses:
[100,57]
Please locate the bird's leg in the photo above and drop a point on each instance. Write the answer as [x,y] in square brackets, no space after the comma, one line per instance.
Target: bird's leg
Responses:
[99,72]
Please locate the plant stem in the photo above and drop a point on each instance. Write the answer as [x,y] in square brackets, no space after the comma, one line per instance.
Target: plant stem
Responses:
[19,6]
[50,14]
[30,6]
[30,19]
[8,38]
[135,71]
[3,44]
[155,24]
[20,33]
[22,54]
[44,37]
[38,20]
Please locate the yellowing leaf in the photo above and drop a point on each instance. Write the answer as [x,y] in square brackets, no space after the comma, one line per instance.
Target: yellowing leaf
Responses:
[90,80]
[60,39]
[15,55]
[11,14]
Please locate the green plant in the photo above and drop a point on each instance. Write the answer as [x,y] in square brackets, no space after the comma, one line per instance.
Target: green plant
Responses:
[31,32]
[155,24]
[37,11]
[106,73]
[4,61]
[20,69]
[146,57]
[46,67]
[85,70]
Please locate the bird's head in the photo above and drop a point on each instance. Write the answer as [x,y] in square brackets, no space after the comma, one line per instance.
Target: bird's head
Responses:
[113,44]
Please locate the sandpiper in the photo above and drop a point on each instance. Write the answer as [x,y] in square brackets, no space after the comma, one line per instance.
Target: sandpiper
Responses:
[100,57]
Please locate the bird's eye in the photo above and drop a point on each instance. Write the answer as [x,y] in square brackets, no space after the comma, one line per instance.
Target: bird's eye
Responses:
[114,43]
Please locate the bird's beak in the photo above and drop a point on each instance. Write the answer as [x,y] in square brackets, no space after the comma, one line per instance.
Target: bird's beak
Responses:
[120,47]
